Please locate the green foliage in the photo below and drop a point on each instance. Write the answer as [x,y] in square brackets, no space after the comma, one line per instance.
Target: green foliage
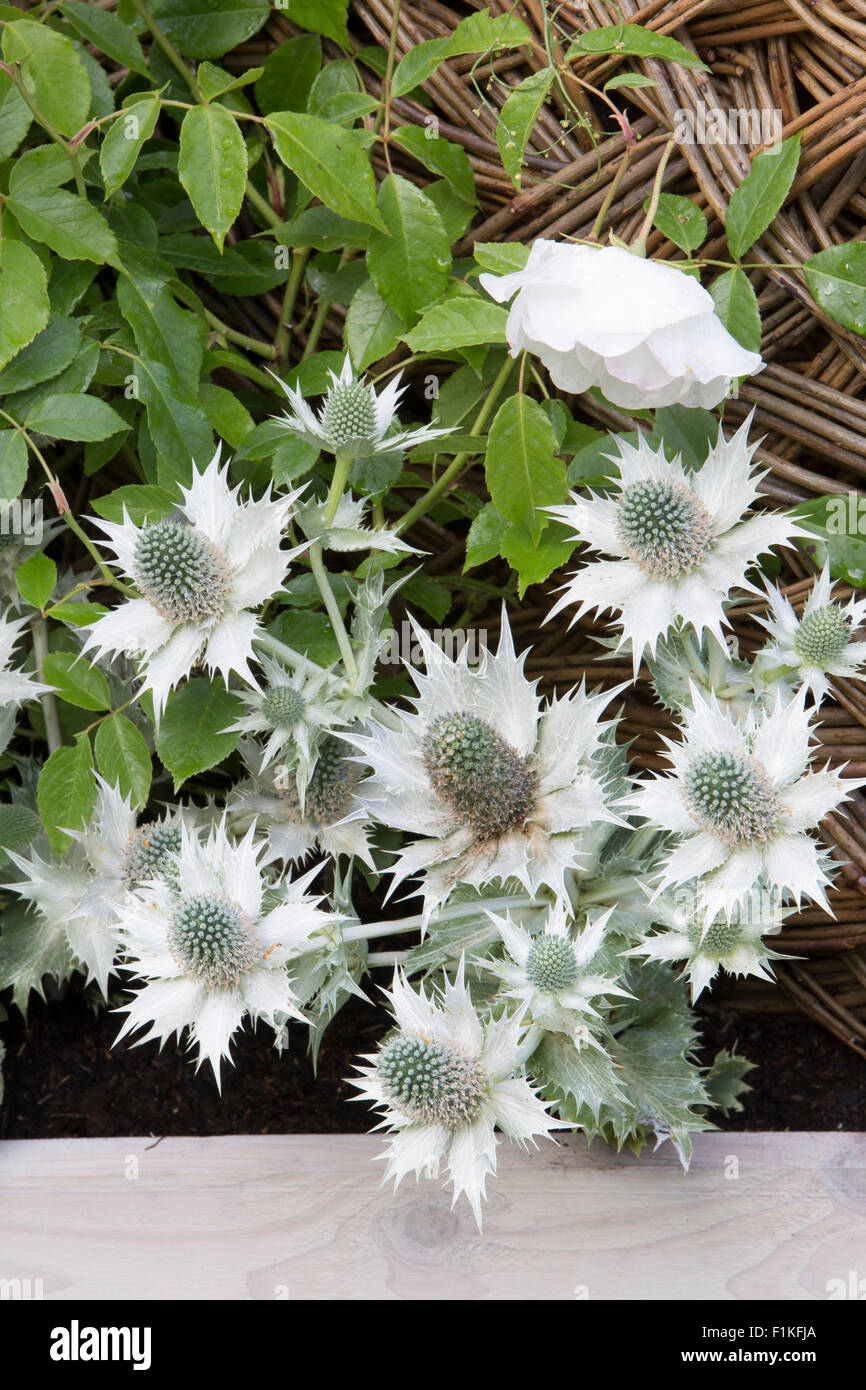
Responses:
[761,194]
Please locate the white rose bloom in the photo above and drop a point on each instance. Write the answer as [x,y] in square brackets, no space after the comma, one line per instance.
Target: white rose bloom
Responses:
[644,333]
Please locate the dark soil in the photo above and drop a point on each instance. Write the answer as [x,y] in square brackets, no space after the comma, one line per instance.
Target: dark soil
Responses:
[64,1078]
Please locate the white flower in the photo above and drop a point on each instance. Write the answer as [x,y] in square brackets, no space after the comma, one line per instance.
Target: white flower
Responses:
[82,890]
[353,420]
[321,812]
[210,953]
[741,799]
[15,686]
[643,332]
[550,971]
[199,576]
[347,530]
[679,540]
[445,1080]
[734,945]
[820,643]
[292,709]
[496,786]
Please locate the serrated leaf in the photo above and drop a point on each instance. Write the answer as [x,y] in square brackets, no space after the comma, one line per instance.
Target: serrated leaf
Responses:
[501,257]
[737,307]
[632,41]
[15,117]
[76,681]
[533,560]
[289,73]
[761,194]
[372,329]
[36,579]
[13,465]
[50,352]
[587,1075]
[66,792]
[410,262]
[126,135]
[458,323]
[485,537]
[69,416]
[441,157]
[209,28]
[143,503]
[192,732]
[517,119]
[24,306]
[837,279]
[64,222]
[163,331]
[53,71]
[123,758]
[522,470]
[107,32]
[213,167]
[329,161]
[31,947]
[478,33]
[327,17]
[680,220]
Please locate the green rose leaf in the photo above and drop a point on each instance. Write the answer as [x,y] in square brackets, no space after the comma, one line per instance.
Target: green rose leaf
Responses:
[213,167]
[372,327]
[459,322]
[209,28]
[289,73]
[36,579]
[122,145]
[517,120]
[192,732]
[680,220]
[123,758]
[13,465]
[632,41]
[737,307]
[106,32]
[409,264]
[76,681]
[53,71]
[66,792]
[331,163]
[523,472]
[70,416]
[837,279]
[24,306]
[761,194]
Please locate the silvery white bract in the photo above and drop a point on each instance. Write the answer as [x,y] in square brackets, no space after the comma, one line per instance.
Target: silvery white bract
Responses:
[293,708]
[324,812]
[446,1081]
[732,944]
[678,538]
[495,785]
[15,686]
[79,893]
[199,576]
[645,334]
[347,530]
[819,644]
[742,800]
[550,972]
[209,950]
[353,419]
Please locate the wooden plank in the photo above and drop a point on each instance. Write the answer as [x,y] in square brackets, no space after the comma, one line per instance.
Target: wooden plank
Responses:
[759,1216]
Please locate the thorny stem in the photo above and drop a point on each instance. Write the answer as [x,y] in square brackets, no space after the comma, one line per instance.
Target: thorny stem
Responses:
[49,704]
[458,463]
[610,195]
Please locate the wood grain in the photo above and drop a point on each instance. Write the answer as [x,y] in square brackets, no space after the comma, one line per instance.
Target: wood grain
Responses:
[301,1217]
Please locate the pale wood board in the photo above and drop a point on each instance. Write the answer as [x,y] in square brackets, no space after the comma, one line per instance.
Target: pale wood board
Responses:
[302,1217]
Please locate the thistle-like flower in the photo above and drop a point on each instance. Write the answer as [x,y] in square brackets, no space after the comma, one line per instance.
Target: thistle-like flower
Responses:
[208,949]
[79,894]
[496,786]
[200,575]
[819,644]
[444,1080]
[742,801]
[322,812]
[732,944]
[678,539]
[551,972]
[293,709]
[15,686]
[353,420]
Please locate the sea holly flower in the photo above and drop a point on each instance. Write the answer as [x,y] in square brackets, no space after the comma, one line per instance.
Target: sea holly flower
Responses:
[732,944]
[321,812]
[292,708]
[644,333]
[200,574]
[353,420]
[209,950]
[445,1080]
[494,785]
[15,686]
[678,540]
[551,971]
[346,531]
[742,801]
[79,893]
[819,644]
